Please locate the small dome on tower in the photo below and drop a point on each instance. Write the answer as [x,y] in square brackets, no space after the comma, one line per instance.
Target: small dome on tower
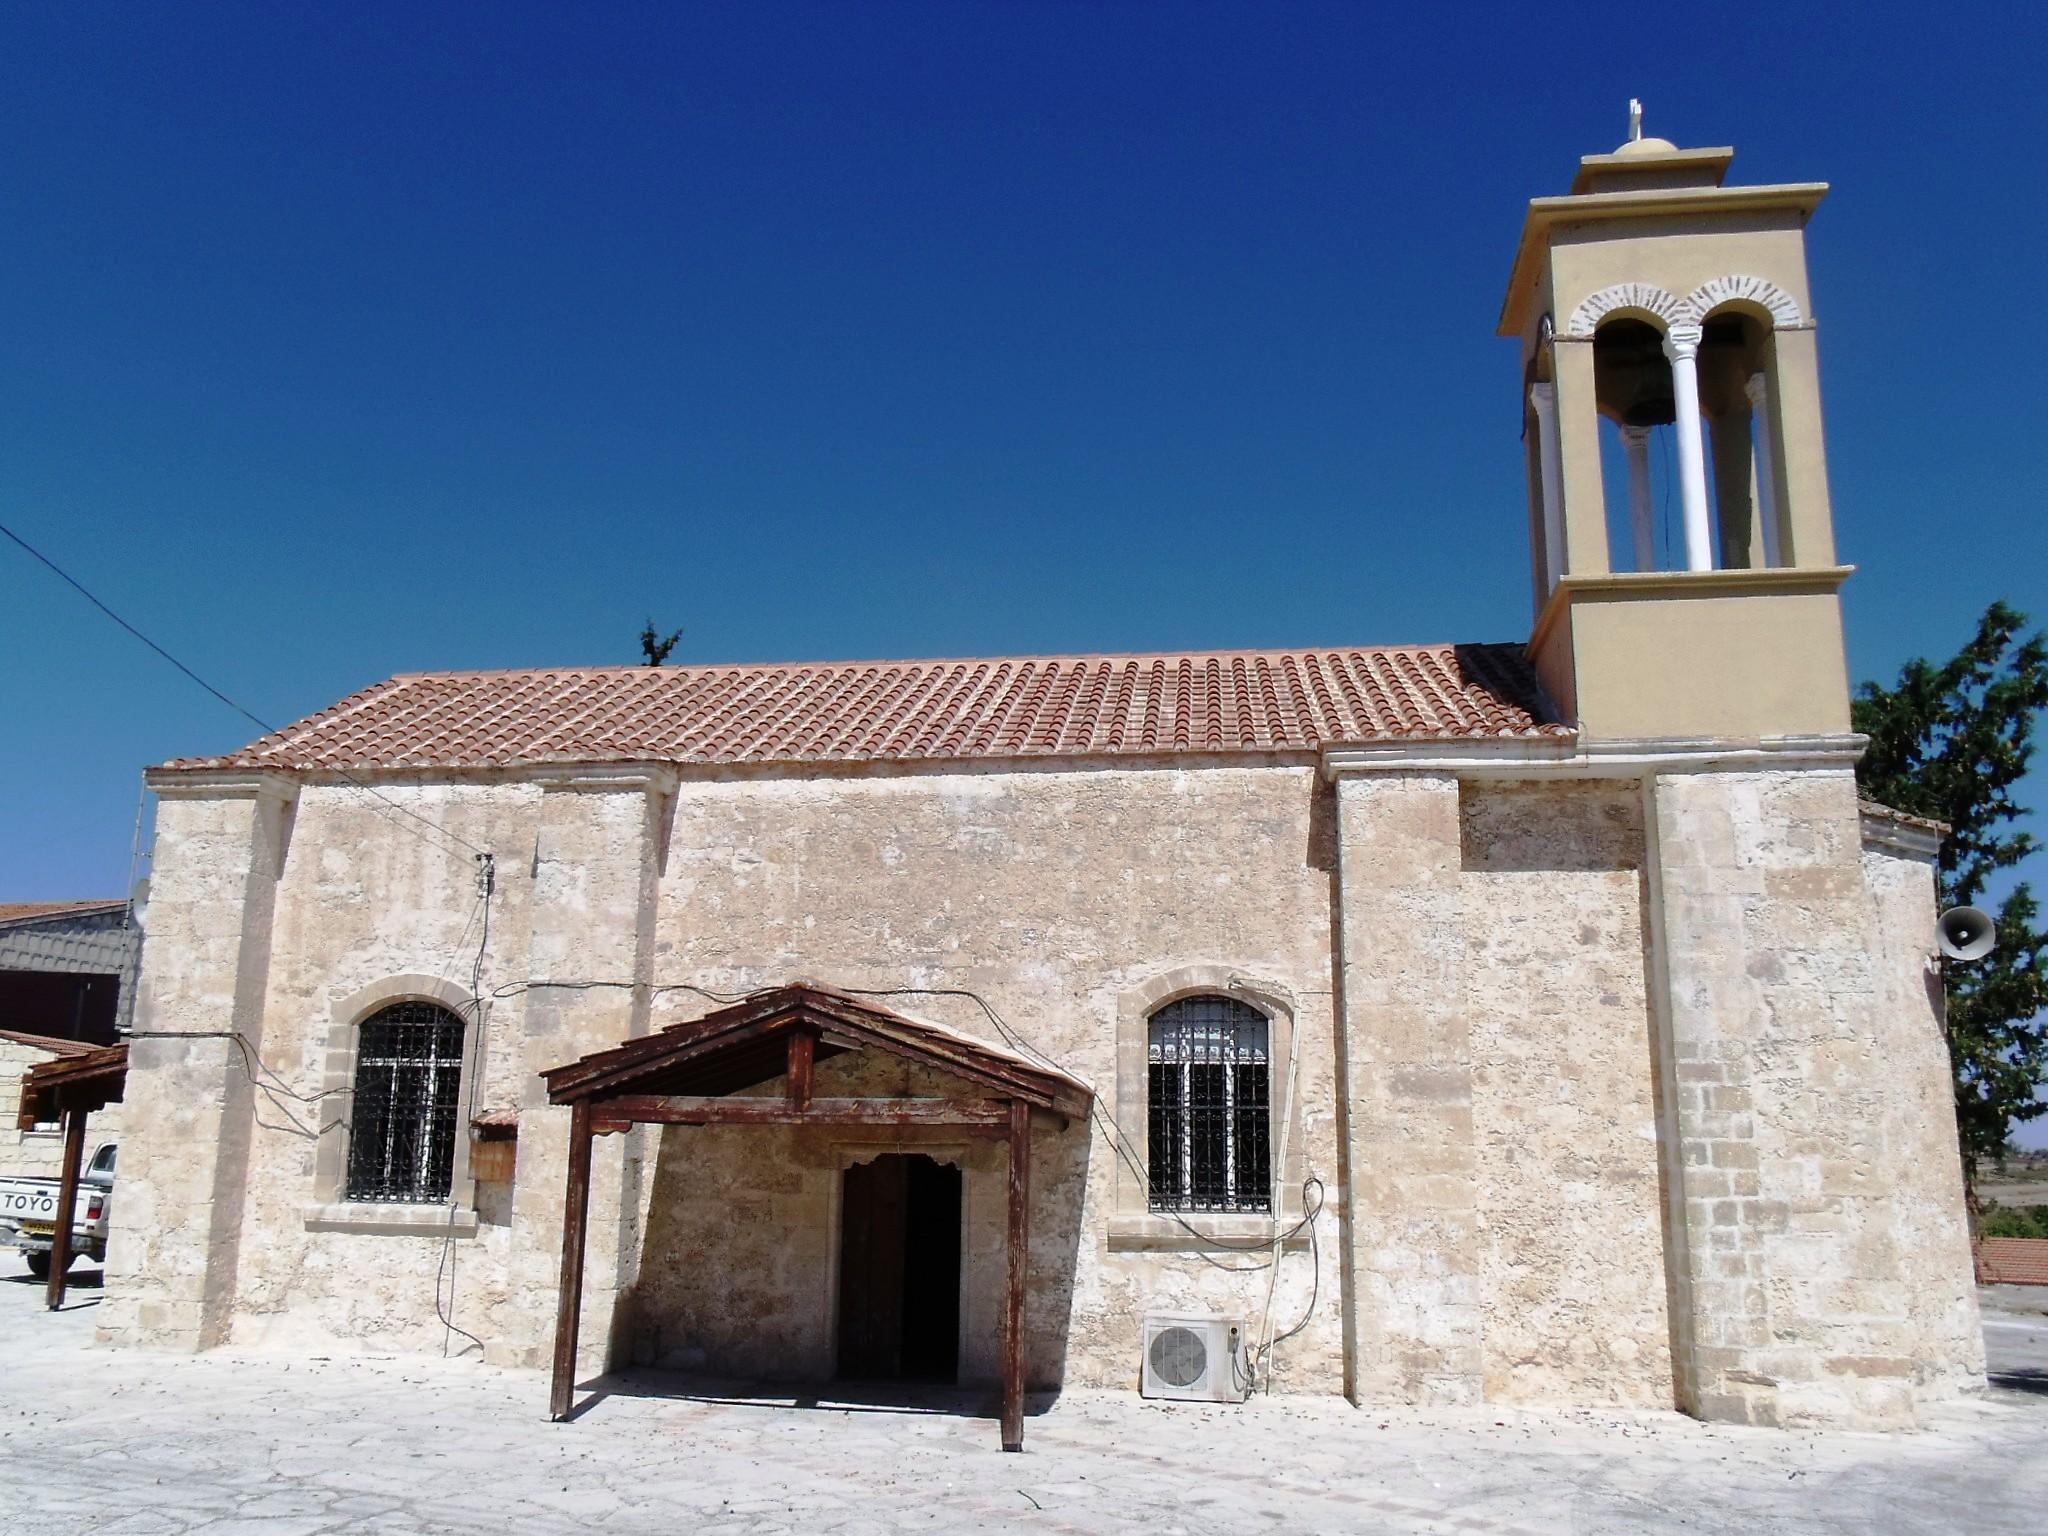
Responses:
[1635,143]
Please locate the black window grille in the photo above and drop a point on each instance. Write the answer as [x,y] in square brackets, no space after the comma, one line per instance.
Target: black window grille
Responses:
[1209,1085]
[401,1134]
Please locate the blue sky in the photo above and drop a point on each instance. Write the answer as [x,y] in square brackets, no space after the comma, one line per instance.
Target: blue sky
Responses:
[337,341]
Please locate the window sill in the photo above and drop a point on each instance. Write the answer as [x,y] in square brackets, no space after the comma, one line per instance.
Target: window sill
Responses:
[391,1220]
[1157,1231]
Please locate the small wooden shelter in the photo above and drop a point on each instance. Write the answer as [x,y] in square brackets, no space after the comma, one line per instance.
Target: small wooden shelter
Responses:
[694,1074]
[70,1088]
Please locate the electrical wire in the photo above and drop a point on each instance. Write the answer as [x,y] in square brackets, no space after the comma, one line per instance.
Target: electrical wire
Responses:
[257,720]
[1112,1133]
[486,885]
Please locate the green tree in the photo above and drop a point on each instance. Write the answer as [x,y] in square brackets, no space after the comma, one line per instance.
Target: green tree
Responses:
[654,647]
[1952,741]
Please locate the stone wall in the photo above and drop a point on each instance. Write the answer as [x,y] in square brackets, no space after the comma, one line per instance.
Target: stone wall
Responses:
[1807,1083]
[1571,1238]
[1535,977]
[1924,1163]
[1049,894]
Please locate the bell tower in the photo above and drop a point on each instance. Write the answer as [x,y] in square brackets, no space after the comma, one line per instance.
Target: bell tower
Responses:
[1685,575]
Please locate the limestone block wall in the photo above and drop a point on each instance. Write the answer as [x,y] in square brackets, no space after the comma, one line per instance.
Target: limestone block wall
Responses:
[1568,1009]
[1506,1240]
[1051,895]
[176,1223]
[369,908]
[1412,1254]
[1802,1090]
[1570,1240]
[1925,1163]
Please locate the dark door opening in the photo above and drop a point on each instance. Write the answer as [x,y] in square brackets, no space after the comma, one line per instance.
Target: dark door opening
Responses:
[899,1270]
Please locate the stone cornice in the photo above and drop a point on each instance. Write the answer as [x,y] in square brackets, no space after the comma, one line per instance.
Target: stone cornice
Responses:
[650,778]
[1611,586]
[1916,836]
[218,784]
[1622,758]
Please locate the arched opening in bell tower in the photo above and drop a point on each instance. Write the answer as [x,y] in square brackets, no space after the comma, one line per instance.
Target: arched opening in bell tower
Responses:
[1632,386]
[1635,390]
[1736,388]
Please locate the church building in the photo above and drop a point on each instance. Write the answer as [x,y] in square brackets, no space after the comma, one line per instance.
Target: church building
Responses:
[1531,1023]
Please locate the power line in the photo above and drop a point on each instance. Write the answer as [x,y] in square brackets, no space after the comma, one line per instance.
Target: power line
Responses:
[257,720]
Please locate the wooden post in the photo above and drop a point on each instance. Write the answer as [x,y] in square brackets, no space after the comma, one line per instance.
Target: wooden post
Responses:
[67,1207]
[1019,1254]
[575,1219]
[803,1050]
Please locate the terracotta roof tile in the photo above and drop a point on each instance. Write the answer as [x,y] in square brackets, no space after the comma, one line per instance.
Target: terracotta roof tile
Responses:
[50,1043]
[1904,818]
[28,911]
[1020,706]
[2012,1261]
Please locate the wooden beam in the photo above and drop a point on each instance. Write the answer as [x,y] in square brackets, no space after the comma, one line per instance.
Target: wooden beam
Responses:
[656,1109]
[1019,1255]
[569,1301]
[803,1049]
[67,1207]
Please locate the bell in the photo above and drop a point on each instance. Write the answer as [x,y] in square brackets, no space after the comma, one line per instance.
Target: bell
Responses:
[1631,376]
[1647,400]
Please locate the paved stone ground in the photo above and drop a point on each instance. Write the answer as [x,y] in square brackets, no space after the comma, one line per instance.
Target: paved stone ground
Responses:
[115,1442]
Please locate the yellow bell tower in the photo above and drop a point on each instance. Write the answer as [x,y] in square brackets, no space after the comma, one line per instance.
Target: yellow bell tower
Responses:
[1684,556]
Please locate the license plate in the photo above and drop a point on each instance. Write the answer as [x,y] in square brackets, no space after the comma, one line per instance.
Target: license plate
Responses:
[39,1228]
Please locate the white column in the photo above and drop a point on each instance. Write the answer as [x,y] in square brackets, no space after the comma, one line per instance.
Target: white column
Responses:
[1543,397]
[1682,345]
[1636,440]
[1759,391]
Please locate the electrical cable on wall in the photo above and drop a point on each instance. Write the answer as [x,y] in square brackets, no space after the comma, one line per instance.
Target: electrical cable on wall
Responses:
[1312,1190]
[258,721]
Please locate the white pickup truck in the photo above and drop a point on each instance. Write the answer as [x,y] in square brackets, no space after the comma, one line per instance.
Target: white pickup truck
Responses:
[28,1213]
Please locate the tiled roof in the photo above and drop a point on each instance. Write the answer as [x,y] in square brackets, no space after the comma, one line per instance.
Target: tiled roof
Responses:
[2013,1261]
[26,911]
[1903,818]
[1028,706]
[50,1043]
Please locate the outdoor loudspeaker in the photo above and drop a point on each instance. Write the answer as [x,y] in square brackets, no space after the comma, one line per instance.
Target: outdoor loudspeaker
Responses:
[1964,933]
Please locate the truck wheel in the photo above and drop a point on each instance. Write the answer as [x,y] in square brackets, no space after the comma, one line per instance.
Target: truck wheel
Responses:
[38,1265]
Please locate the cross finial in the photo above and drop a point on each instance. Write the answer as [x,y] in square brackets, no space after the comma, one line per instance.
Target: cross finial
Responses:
[1635,119]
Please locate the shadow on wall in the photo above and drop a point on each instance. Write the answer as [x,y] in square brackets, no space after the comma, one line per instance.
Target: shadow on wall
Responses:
[740,1269]
[1586,827]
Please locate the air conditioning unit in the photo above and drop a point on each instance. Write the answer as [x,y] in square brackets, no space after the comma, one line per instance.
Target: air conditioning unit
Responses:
[1198,1359]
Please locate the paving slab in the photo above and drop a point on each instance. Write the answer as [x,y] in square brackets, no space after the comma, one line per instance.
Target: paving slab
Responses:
[124,1443]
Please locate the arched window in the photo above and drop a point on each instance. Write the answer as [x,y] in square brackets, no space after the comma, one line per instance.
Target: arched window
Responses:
[1209,1101]
[408,1077]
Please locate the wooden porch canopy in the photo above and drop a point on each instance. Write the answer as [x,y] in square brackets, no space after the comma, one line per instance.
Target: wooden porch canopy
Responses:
[694,1074]
[70,1088]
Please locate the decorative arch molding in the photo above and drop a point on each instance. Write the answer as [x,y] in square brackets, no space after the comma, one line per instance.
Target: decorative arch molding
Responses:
[411,987]
[1748,291]
[337,1091]
[1132,1224]
[1642,298]
[1156,991]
